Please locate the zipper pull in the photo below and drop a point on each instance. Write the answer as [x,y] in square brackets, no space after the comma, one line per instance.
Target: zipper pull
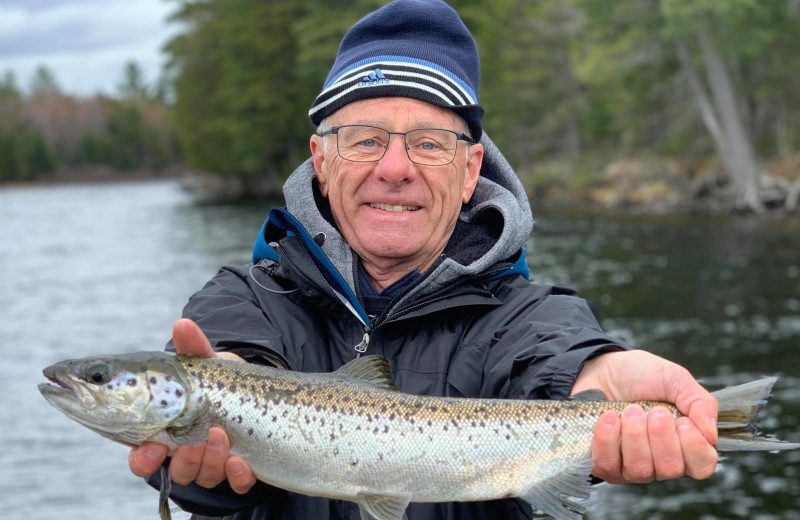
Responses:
[362,347]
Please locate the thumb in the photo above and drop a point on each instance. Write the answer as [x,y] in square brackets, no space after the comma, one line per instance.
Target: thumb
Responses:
[189,339]
[699,405]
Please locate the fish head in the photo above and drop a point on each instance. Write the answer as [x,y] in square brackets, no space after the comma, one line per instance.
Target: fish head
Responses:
[128,398]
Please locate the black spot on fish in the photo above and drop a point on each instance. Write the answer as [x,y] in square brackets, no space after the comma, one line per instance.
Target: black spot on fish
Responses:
[166,390]
[169,379]
[132,381]
[164,403]
[153,380]
[249,431]
[383,409]
[220,385]
[333,437]
[508,437]
[335,451]
[274,418]
[354,463]
[380,456]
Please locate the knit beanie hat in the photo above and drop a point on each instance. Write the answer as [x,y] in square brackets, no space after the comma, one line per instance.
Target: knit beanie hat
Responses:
[409,48]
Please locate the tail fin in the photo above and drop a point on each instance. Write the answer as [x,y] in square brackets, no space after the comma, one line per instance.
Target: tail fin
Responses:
[738,407]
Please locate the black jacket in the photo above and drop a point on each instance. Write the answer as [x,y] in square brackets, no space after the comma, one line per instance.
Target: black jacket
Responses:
[458,331]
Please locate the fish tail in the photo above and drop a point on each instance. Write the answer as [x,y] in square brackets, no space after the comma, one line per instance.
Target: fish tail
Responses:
[738,407]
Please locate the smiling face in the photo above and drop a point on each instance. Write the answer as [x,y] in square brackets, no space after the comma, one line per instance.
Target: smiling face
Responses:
[395,214]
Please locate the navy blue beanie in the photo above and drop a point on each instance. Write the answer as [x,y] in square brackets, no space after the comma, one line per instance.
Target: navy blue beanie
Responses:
[409,48]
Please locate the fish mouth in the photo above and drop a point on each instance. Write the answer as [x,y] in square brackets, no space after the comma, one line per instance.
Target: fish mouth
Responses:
[65,391]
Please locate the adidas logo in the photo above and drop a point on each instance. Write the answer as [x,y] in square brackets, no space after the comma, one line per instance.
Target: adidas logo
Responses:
[375,77]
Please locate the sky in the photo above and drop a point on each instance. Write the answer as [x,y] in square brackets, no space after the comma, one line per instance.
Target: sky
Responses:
[85,43]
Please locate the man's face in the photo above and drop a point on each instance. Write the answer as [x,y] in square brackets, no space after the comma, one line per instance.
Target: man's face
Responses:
[395,214]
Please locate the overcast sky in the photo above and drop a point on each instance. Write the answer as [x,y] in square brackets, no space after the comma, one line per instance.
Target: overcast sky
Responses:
[85,43]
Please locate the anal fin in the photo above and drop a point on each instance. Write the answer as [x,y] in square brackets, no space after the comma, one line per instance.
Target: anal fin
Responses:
[383,507]
[553,495]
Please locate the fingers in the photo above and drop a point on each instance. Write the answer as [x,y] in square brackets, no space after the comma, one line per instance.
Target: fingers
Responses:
[146,459]
[665,445]
[637,459]
[202,463]
[605,448]
[210,464]
[700,457]
[240,476]
[638,447]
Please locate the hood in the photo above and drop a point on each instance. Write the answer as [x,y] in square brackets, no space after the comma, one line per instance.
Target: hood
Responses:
[492,227]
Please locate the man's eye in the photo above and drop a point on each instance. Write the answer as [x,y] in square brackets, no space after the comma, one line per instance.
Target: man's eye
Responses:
[428,147]
[369,143]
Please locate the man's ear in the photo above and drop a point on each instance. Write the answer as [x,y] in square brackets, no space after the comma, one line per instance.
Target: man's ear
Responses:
[318,156]
[474,162]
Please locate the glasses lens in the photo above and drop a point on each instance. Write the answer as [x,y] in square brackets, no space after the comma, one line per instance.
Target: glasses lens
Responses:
[431,147]
[362,143]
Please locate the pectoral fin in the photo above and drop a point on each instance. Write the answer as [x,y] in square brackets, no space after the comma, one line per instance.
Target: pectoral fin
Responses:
[552,496]
[382,507]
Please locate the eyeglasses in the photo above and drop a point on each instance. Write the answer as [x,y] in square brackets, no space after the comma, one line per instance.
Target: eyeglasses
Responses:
[425,146]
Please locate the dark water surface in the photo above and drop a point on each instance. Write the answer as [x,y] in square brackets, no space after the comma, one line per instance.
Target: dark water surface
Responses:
[106,269]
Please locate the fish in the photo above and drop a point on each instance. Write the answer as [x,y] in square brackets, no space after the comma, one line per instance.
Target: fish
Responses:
[352,435]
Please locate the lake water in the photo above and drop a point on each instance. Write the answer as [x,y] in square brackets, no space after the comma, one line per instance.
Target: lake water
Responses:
[92,269]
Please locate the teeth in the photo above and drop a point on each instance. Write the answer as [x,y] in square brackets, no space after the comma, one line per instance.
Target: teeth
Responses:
[391,207]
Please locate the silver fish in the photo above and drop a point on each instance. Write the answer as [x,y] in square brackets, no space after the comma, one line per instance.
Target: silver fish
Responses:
[352,435]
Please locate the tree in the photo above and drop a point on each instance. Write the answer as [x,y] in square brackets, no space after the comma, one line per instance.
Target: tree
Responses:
[133,85]
[44,82]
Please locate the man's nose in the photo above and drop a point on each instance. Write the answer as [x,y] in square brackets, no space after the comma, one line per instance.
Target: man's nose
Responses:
[395,164]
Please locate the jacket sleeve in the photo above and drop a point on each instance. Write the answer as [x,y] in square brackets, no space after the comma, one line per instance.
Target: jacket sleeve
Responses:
[227,311]
[542,348]
[235,320]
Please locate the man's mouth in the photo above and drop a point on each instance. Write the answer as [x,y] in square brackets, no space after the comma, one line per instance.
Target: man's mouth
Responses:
[392,207]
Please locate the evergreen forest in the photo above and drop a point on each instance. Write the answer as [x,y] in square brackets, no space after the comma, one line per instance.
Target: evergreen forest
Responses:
[626,100]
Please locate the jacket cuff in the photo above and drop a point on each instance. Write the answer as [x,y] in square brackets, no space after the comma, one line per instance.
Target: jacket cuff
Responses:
[565,368]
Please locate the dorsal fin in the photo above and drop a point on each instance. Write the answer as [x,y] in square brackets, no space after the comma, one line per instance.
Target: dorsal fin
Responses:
[589,395]
[371,369]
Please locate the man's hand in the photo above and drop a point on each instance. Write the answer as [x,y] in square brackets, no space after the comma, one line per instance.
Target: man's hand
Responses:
[206,464]
[637,447]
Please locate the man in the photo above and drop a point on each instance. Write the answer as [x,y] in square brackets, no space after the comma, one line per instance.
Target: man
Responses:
[403,236]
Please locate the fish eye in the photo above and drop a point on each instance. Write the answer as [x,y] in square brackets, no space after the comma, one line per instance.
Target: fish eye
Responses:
[97,373]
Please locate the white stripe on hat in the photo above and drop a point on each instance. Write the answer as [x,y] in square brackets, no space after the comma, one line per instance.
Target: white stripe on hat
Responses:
[433,74]
[409,84]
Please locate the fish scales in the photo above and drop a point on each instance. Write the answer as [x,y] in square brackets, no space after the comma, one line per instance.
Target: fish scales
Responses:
[337,437]
[351,435]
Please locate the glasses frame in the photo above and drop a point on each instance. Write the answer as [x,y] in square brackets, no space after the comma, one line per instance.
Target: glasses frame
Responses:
[460,136]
